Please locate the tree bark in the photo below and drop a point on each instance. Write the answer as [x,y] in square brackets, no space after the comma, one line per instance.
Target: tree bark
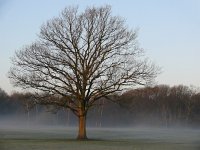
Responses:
[82,128]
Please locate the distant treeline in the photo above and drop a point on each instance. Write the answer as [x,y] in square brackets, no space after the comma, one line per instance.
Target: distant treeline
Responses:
[160,105]
[163,105]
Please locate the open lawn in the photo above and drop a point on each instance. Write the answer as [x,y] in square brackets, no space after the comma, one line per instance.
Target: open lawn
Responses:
[101,139]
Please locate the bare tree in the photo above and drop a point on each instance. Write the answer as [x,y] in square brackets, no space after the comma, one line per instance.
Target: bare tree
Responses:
[82,57]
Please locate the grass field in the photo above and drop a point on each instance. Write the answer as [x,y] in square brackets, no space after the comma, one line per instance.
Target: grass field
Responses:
[101,139]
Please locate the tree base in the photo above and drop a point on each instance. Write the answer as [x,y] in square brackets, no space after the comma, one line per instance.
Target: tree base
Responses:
[80,138]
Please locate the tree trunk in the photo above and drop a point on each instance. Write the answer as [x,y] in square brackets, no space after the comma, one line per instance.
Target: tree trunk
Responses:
[82,128]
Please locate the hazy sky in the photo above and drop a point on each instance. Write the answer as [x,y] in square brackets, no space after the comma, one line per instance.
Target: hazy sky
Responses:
[169,31]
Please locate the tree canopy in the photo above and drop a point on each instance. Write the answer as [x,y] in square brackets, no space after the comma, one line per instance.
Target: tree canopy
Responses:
[82,57]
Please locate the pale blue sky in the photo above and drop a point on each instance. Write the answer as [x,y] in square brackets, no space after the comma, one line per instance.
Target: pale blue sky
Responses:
[169,31]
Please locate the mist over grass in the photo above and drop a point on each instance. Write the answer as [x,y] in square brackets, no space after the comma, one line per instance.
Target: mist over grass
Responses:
[41,133]
[136,138]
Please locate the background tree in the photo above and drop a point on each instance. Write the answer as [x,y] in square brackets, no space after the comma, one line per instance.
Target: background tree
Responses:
[80,58]
[4,101]
[26,100]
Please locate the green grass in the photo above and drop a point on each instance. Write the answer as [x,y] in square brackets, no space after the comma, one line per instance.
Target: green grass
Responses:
[103,139]
[61,144]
